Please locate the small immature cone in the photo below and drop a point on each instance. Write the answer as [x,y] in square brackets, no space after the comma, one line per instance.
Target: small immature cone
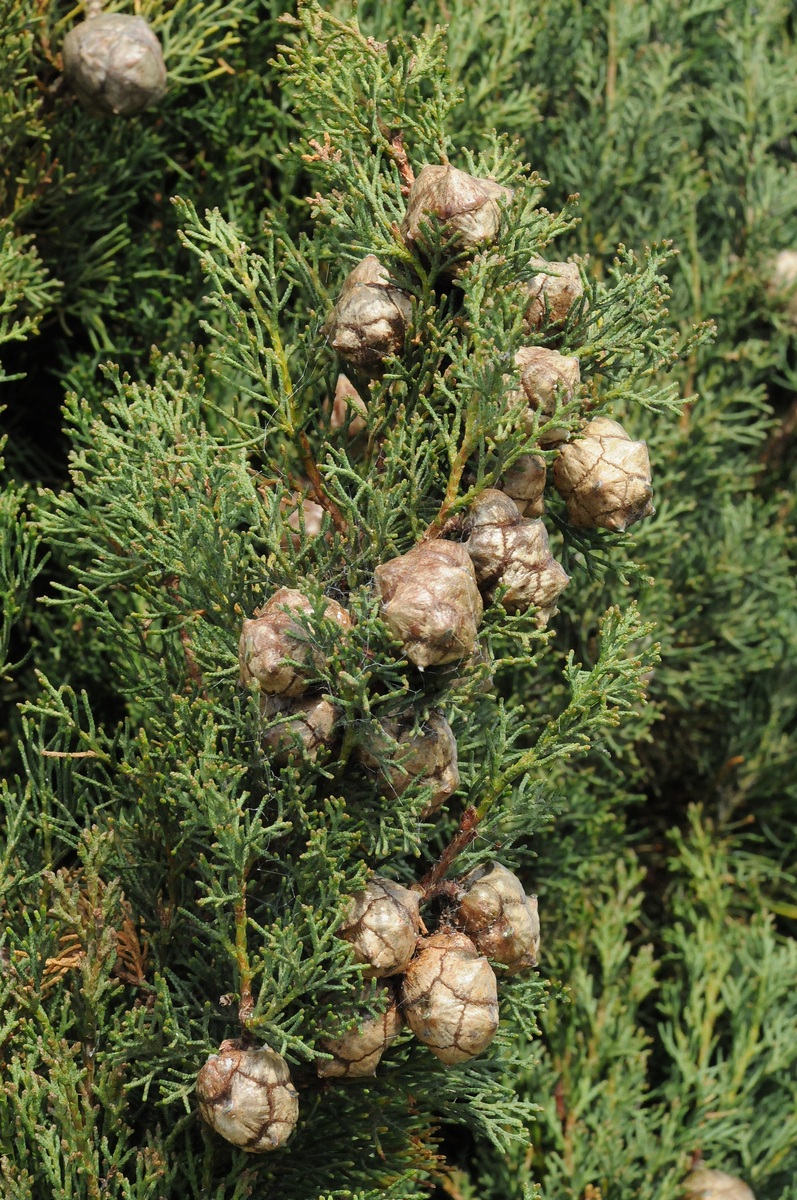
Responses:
[348,401]
[547,378]
[312,515]
[402,756]
[552,293]
[604,477]
[500,918]
[357,1052]
[370,320]
[382,924]
[450,997]
[274,636]
[430,601]
[247,1096]
[703,1184]
[308,725]
[783,279]
[512,552]
[114,65]
[468,207]
[525,483]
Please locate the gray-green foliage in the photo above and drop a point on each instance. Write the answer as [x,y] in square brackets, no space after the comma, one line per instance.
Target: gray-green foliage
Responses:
[161,867]
[677,121]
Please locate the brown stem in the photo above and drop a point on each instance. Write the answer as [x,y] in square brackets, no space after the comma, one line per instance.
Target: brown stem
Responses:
[69,754]
[317,485]
[611,55]
[433,883]
[247,1004]
[559,1100]
[399,155]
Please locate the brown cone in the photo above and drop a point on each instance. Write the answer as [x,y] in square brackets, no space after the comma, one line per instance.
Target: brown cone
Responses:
[547,379]
[312,515]
[427,756]
[552,293]
[382,924]
[348,407]
[370,320]
[512,552]
[247,1096]
[114,64]
[525,483]
[604,477]
[274,636]
[468,207]
[500,918]
[431,603]
[781,283]
[703,1184]
[450,997]
[357,1052]
[308,725]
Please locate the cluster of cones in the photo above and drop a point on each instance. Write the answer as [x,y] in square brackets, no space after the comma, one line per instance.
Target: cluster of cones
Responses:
[442,984]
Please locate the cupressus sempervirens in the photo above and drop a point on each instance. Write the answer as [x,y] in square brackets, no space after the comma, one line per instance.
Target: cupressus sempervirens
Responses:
[431,600]
[333,834]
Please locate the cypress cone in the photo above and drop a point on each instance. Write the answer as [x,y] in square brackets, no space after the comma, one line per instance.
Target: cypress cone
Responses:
[426,756]
[552,293]
[382,924]
[114,64]
[467,206]
[548,379]
[524,482]
[604,478]
[450,997]
[275,649]
[247,1096]
[499,917]
[703,1184]
[512,552]
[371,317]
[431,603]
[357,1051]
[308,725]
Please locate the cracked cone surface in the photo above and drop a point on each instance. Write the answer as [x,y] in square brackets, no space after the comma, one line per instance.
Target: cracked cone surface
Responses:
[512,552]
[431,602]
[275,647]
[357,1053]
[547,379]
[604,478]
[450,997]
[524,482]
[247,1096]
[308,725]
[552,293]
[428,755]
[382,925]
[468,206]
[370,319]
[500,918]
[114,65]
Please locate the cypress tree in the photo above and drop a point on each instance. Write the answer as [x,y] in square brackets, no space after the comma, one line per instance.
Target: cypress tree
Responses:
[184,837]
